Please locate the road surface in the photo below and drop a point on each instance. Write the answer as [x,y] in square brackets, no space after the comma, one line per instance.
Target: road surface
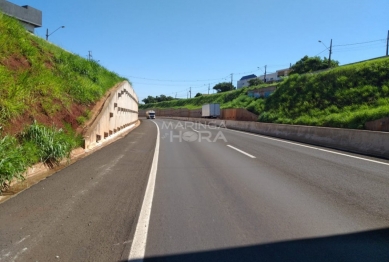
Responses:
[271,201]
[86,212]
[219,195]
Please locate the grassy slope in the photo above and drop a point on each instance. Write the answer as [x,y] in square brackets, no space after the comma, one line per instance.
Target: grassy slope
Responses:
[346,96]
[40,81]
[43,78]
[232,99]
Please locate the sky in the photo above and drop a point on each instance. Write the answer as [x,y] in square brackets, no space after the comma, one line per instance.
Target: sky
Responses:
[172,46]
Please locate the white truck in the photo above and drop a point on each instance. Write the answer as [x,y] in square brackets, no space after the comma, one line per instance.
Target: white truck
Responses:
[210,111]
[150,114]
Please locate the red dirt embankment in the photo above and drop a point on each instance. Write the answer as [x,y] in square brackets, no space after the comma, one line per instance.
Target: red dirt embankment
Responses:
[59,116]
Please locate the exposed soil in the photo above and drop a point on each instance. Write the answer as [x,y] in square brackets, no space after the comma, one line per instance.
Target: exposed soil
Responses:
[58,119]
[15,63]
[95,110]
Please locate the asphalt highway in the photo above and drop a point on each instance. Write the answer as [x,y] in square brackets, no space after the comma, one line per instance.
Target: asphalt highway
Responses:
[223,195]
[216,195]
[87,211]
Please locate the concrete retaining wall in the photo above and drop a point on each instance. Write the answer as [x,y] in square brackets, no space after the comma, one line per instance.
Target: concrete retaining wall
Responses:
[119,111]
[358,141]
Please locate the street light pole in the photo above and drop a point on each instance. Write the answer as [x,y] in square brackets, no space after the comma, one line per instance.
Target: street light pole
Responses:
[387,44]
[47,32]
[329,57]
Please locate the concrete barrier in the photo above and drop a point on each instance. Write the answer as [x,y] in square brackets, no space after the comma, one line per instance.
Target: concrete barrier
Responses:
[120,110]
[364,142]
[227,113]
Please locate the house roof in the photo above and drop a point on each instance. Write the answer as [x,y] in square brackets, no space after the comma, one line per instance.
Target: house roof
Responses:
[248,77]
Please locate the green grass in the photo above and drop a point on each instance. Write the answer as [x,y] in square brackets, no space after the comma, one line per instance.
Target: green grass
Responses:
[347,97]
[231,99]
[37,143]
[12,161]
[45,73]
[41,78]
[51,144]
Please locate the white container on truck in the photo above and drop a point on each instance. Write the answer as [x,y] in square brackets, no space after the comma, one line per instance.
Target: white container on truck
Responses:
[150,114]
[210,110]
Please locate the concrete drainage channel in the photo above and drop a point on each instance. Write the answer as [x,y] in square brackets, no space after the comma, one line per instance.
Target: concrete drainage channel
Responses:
[40,171]
[371,143]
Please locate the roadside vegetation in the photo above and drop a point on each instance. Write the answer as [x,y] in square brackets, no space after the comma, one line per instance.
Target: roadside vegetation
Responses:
[37,143]
[345,96]
[230,99]
[42,82]
[33,71]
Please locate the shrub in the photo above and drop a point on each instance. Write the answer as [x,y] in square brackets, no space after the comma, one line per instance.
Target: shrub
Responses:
[53,145]
[12,161]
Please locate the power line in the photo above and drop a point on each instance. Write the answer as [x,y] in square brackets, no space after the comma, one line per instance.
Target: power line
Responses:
[361,42]
[322,52]
[156,84]
[360,48]
[166,80]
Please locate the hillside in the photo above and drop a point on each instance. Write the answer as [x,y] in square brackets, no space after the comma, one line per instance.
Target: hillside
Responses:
[231,99]
[41,81]
[346,96]
[46,93]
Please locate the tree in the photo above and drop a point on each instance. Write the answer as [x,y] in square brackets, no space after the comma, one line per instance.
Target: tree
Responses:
[198,94]
[224,87]
[161,98]
[311,64]
[255,82]
[149,100]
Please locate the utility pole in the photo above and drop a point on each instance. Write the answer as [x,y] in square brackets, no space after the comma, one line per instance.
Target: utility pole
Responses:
[231,80]
[329,57]
[176,94]
[208,88]
[387,44]
[190,92]
[47,32]
[264,77]
[89,55]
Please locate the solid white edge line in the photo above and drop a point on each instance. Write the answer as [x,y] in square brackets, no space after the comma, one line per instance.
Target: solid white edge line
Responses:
[311,147]
[241,151]
[138,246]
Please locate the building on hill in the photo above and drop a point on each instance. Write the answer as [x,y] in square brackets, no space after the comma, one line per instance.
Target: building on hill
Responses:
[270,77]
[276,76]
[30,17]
[244,81]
